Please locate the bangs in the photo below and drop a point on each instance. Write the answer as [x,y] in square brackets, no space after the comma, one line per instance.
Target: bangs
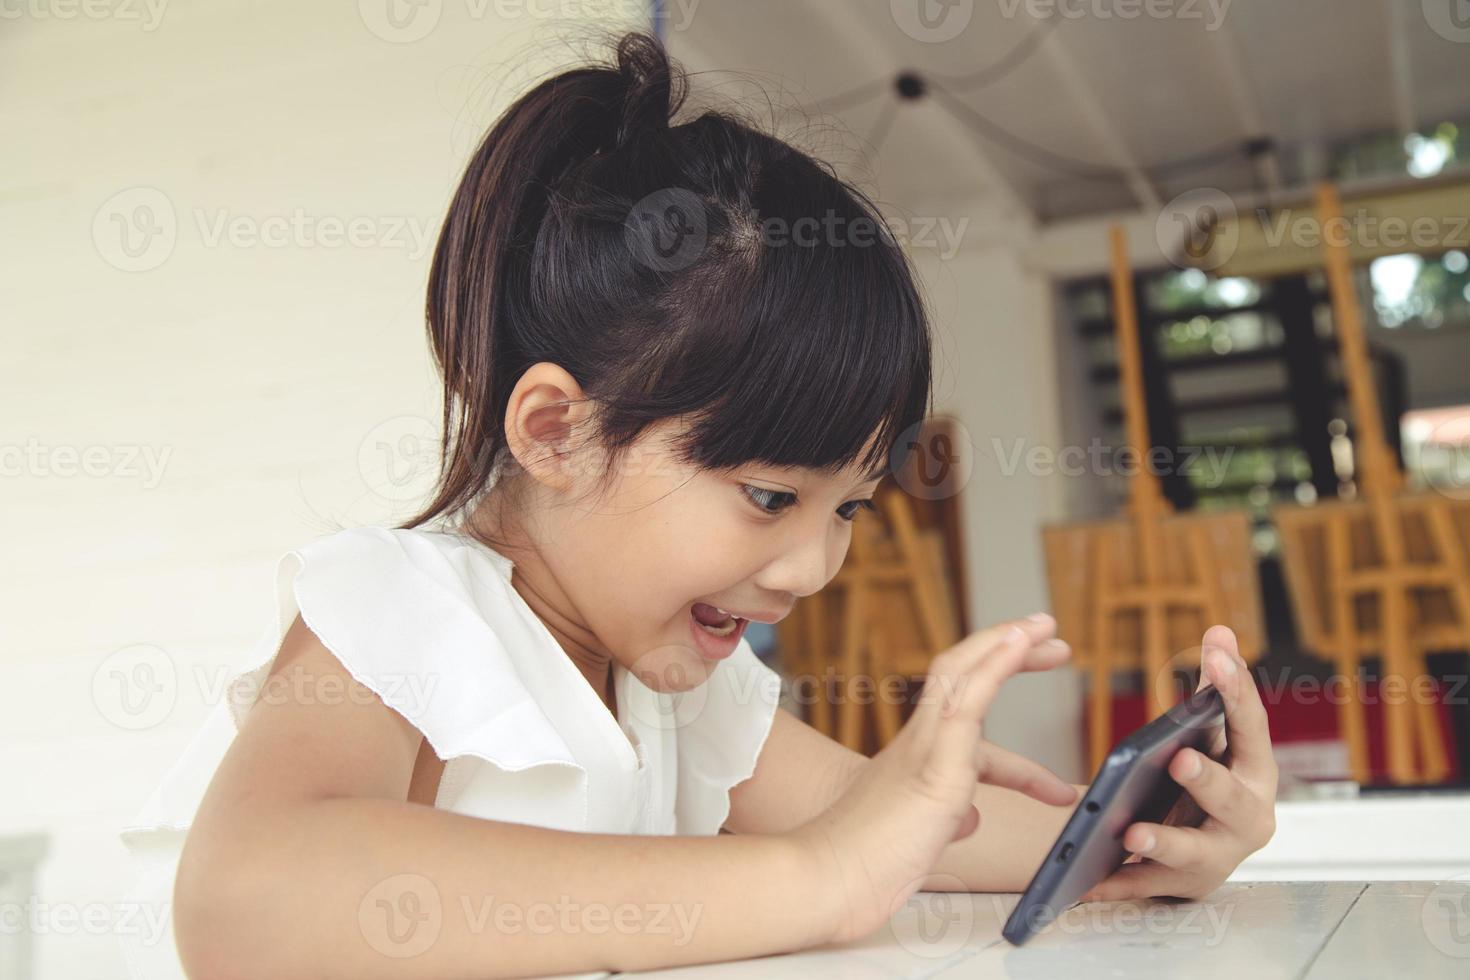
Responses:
[821,352]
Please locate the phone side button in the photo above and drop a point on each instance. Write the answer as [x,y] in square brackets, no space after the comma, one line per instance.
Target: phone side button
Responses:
[1064,853]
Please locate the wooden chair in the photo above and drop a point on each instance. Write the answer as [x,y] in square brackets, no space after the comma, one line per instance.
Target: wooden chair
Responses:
[1388,572]
[1137,592]
[886,613]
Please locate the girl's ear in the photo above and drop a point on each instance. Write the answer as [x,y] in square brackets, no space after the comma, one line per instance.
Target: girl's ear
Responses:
[543,421]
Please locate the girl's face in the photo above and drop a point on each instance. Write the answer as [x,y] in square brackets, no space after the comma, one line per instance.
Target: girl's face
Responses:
[751,541]
[620,573]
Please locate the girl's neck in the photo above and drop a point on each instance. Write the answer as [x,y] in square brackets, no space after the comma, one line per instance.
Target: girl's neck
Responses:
[531,577]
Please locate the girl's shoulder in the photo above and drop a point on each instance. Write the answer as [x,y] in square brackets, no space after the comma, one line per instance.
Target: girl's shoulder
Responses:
[428,621]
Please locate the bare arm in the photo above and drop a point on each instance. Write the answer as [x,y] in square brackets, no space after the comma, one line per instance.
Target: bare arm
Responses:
[306,860]
[1004,851]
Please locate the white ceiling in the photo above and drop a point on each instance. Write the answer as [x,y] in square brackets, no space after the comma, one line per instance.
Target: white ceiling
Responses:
[1122,96]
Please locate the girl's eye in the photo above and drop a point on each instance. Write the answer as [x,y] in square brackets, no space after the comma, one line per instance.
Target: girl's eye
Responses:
[764,498]
[775,501]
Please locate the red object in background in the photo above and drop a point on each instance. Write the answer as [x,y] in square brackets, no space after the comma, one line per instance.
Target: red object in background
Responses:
[1309,716]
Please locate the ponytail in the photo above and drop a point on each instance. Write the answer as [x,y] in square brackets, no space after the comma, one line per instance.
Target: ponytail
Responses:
[478,268]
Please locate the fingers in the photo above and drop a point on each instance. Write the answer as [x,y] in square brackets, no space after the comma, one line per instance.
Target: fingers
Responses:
[1175,864]
[1037,629]
[968,823]
[1144,880]
[1246,728]
[1001,767]
[1181,848]
[1046,655]
[964,680]
[1214,788]
[960,698]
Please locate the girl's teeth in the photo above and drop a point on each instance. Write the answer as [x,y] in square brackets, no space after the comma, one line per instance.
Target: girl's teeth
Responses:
[725,630]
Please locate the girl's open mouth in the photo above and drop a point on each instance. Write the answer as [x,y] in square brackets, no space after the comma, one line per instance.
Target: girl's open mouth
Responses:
[715,631]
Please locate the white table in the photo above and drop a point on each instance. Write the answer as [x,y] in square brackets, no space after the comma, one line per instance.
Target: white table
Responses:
[1256,930]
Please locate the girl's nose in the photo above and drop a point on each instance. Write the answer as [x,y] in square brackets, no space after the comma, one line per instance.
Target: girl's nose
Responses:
[803,568]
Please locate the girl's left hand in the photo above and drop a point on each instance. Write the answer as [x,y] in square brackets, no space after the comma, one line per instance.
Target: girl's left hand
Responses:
[1236,796]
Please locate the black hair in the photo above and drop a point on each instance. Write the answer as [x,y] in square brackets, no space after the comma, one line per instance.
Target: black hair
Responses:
[703,269]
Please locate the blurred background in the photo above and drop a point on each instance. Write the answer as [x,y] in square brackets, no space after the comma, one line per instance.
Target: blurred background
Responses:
[1200,278]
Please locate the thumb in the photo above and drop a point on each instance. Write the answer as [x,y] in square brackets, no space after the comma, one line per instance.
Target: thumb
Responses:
[968,823]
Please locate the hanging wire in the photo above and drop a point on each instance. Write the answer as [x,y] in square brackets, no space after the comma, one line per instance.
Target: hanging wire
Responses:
[988,75]
[881,127]
[853,98]
[1080,169]
[992,131]
[1003,67]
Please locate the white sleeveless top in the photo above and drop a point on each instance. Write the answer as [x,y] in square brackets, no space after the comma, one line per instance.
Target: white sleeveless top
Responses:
[430,622]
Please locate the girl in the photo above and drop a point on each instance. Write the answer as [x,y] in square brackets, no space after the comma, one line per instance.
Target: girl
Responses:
[511,745]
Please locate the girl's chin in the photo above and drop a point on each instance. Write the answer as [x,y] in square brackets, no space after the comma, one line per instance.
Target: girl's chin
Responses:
[672,668]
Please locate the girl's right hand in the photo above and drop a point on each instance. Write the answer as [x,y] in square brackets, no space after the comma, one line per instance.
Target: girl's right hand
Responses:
[882,838]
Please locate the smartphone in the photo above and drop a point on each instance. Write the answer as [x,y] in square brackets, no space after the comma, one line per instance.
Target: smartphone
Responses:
[1133,784]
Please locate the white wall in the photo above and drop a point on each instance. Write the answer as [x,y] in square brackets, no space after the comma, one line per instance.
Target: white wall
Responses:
[266,380]
[997,372]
